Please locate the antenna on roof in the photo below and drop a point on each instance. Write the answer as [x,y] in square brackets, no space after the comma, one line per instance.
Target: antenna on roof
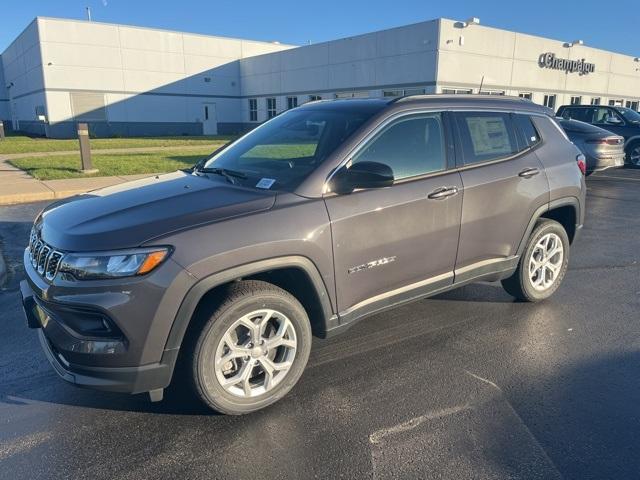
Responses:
[481,82]
[88,13]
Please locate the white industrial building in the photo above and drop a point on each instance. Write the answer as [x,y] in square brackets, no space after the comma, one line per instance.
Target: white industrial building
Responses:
[126,80]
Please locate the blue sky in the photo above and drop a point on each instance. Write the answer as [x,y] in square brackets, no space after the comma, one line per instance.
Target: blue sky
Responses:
[612,25]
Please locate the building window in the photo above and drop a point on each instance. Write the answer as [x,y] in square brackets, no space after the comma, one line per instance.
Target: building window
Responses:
[616,103]
[456,91]
[292,102]
[526,95]
[314,98]
[253,110]
[634,105]
[577,100]
[596,101]
[491,92]
[271,107]
[550,101]
[361,94]
[403,93]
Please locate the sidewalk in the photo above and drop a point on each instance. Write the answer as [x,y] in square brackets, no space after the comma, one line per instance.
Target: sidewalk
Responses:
[17,186]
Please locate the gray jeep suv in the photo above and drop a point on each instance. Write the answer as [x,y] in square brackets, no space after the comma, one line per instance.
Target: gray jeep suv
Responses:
[219,276]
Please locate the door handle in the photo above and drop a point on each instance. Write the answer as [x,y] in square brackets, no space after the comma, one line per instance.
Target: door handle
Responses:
[443,192]
[529,172]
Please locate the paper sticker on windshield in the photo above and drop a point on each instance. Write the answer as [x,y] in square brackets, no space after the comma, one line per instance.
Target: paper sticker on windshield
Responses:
[265,183]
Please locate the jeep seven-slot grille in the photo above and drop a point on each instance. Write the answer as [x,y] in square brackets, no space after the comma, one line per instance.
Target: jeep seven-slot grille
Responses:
[44,259]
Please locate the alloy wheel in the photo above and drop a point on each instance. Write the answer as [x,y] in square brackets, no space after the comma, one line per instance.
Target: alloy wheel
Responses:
[545,263]
[634,156]
[255,353]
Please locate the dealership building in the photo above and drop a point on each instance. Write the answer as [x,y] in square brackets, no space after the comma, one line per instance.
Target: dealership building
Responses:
[126,80]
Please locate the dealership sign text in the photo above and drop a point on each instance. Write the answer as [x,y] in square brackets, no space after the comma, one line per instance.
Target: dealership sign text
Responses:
[549,60]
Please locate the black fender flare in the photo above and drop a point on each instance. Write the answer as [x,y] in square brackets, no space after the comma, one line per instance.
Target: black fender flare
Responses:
[199,290]
[540,211]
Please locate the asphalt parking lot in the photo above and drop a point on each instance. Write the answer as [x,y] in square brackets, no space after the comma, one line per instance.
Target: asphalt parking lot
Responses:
[468,384]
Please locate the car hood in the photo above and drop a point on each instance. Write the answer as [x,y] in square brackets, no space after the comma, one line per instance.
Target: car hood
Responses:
[130,214]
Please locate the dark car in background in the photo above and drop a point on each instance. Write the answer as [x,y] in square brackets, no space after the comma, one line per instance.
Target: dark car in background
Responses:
[601,148]
[619,120]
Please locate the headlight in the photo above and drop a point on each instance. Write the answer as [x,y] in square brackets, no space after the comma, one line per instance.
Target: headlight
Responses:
[118,264]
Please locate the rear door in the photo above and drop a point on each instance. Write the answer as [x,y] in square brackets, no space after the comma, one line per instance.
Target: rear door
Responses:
[504,183]
[389,242]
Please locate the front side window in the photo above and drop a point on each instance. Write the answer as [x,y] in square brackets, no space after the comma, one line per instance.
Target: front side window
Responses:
[411,146]
[271,107]
[486,136]
[284,151]
[605,116]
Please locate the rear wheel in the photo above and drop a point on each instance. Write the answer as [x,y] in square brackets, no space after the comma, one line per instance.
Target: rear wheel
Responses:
[543,263]
[252,349]
[633,154]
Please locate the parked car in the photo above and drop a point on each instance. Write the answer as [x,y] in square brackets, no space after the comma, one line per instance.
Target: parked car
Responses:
[602,149]
[619,120]
[325,214]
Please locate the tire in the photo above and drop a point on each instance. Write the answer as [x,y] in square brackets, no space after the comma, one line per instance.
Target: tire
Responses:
[214,352]
[633,150]
[538,286]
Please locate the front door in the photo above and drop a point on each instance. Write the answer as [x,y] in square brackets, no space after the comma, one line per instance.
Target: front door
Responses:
[504,183]
[209,119]
[393,242]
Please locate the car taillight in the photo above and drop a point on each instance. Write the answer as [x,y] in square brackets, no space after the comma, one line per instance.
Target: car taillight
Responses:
[582,163]
[605,141]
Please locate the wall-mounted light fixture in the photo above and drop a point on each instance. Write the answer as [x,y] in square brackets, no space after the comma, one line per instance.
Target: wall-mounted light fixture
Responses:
[467,23]
[573,44]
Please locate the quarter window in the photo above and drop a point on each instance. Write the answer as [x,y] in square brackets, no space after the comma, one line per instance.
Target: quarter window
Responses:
[411,146]
[253,110]
[486,136]
[271,107]
[527,129]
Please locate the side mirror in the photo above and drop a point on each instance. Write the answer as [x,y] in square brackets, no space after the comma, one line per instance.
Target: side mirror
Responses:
[362,175]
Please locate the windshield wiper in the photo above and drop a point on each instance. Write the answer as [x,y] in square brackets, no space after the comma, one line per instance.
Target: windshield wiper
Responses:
[230,175]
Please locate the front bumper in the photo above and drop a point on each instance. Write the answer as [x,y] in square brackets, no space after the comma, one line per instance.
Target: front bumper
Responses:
[59,342]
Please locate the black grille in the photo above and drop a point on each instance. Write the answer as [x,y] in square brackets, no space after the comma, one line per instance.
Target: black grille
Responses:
[44,259]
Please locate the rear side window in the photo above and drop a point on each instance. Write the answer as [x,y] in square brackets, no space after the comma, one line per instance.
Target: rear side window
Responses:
[486,136]
[530,135]
[582,114]
[411,146]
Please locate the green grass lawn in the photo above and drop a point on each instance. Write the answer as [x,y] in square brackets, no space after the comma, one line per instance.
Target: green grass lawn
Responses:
[67,166]
[24,144]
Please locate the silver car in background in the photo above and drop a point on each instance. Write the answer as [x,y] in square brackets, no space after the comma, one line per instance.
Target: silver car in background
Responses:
[601,148]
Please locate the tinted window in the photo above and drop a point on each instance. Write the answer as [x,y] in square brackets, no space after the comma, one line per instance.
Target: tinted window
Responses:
[576,126]
[410,146]
[582,114]
[486,136]
[604,116]
[529,133]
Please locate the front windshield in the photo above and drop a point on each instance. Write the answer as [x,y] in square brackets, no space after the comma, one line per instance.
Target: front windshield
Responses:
[282,152]
[630,115]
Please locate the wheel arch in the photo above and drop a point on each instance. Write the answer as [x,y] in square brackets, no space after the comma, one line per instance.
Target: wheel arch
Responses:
[565,210]
[296,274]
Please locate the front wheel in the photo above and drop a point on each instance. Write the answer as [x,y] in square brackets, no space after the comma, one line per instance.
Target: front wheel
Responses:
[543,263]
[252,350]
